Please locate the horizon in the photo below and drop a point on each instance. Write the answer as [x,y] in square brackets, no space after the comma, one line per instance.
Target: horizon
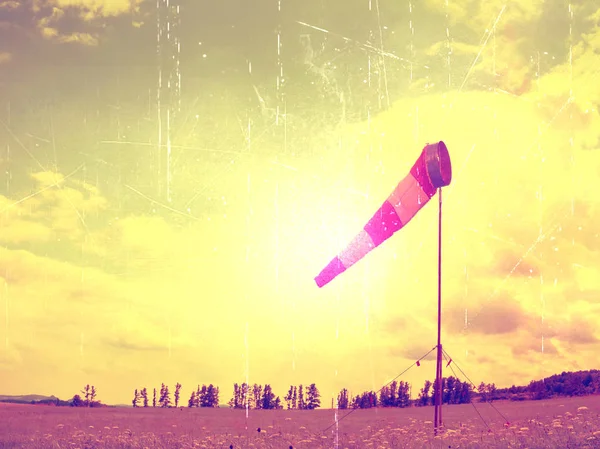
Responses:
[474,392]
[144,243]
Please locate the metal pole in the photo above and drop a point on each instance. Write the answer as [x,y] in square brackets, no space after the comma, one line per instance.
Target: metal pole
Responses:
[438,373]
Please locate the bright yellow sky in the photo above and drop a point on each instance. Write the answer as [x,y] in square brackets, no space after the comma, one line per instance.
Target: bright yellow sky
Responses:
[189,302]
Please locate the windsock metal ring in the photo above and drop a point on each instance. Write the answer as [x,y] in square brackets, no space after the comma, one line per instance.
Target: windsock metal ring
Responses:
[431,171]
[437,162]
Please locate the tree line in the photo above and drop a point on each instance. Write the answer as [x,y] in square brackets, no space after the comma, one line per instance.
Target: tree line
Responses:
[205,396]
[396,394]
[256,397]
[579,383]
[259,397]
[89,398]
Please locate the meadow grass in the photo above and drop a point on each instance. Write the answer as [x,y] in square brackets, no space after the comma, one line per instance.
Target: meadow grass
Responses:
[558,423]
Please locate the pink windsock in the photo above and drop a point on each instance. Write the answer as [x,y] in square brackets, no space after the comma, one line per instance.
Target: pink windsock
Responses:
[431,171]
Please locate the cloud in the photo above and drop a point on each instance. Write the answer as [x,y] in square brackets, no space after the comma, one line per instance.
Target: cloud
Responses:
[591,295]
[90,9]
[412,350]
[132,342]
[56,210]
[510,261]
[578,331]
[10,357]
[9,4]
[500,316]
[528,346]
[81,38]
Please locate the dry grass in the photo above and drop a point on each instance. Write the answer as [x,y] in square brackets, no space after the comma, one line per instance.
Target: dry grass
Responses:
[560,423]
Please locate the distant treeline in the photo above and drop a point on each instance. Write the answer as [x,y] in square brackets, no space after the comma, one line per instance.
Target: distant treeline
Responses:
[53,401]
[579,383]
[256,397]
[395,394]
[205,396]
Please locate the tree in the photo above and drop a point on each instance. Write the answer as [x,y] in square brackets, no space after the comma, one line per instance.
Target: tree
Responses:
[313,397]
[77,401]
[144,395]
[216,397]
[154,399]
[136,398]
[392,400]
[424,395]
[244,395]
[192,400]
[235,399]
[384,394]
[93,394]
[240,396]
[403,398]
[86,391]
[465,393]
[301,403]
[161,394]
[203,396]
[165,397]
[491,389]
[294,398]
[455,397]
[210,396]
[449,390]
[367,399]
[343,400]
[483,392]
[268,398]
[257,396]
[288,397]
[372,399]
[538,390]
[177,393]
[435,390]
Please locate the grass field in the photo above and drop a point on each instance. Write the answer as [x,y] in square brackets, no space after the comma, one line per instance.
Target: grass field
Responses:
[558,423]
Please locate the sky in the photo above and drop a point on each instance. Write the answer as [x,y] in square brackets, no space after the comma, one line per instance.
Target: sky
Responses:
[146,242]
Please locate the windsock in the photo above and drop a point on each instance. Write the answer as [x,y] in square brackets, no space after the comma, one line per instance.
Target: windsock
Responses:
[431,171]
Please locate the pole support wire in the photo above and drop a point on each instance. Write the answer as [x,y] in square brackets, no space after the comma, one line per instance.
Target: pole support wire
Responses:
[378,391]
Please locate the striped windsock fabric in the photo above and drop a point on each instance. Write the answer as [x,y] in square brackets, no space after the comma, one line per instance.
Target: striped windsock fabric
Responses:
[432,170]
